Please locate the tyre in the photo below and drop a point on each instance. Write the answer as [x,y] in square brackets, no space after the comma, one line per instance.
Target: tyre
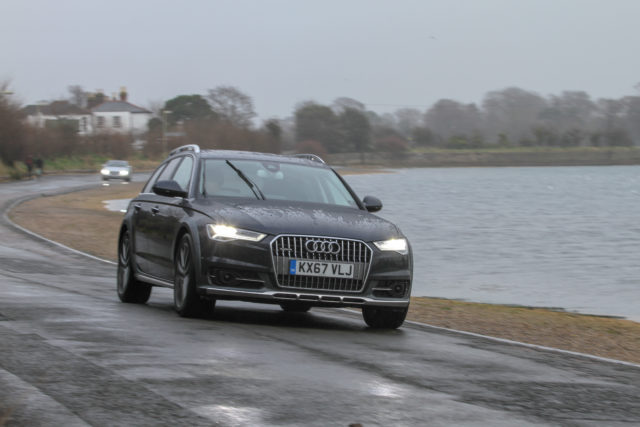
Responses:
[186,300]
[384,317]
[129,289]
[295,307]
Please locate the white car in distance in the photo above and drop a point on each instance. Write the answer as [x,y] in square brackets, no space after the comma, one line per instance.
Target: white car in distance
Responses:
[116,169]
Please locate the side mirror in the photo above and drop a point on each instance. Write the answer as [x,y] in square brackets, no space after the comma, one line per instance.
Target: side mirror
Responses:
[169,188]
[372,204]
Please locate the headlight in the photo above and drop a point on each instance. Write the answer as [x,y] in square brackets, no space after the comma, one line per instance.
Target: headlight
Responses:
[104,171]
[397,245]
[124,172]
[225,233]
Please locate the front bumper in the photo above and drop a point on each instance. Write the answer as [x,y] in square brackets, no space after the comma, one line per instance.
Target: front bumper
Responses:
[315,299]
[245,271]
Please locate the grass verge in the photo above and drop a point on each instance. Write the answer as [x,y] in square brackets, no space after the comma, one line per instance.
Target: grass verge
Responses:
[80,220]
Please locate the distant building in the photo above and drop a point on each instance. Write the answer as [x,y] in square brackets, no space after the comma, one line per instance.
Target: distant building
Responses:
[48,115]
[121,117]
[112,115]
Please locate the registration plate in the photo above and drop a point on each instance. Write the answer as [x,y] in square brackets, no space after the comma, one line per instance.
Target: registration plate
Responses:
[320,269]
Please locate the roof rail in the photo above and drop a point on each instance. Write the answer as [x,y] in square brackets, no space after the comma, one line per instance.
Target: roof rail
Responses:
[191,147]
[311,157]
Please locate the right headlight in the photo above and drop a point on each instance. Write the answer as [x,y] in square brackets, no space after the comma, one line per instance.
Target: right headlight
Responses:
[396,245]
[224,233]
[104,171]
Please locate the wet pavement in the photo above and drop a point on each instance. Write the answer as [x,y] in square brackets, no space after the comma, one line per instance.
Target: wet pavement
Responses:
[72,354]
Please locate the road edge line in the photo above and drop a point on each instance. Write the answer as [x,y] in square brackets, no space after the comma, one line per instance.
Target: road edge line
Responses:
[524,344]
[15,203]
[512,342]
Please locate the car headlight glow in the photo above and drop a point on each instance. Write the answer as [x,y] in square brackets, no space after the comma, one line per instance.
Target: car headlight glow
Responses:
[104,171]
[224,233]
[124,172]
[396,245]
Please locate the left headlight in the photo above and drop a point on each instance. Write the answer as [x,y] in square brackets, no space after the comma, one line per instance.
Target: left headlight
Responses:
[225,233]
[124,172]
[396,245]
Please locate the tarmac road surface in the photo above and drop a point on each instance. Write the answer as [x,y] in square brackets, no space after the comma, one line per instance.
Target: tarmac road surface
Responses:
[72,354]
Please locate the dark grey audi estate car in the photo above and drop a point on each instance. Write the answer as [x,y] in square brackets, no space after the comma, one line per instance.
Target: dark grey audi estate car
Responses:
[267,228]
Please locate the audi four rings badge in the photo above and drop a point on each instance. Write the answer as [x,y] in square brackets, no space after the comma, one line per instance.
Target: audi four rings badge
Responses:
[322,247]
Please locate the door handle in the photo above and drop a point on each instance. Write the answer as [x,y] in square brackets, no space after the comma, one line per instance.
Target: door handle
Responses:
[155,210]
[137,207]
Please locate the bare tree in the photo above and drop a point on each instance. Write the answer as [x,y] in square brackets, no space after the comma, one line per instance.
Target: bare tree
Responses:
[232,105]
[342,103]
[448,118]
[12,128]
[513,112]
[408,119]
[78,96]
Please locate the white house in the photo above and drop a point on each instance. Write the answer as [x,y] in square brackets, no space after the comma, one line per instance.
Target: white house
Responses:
[120,116]
[112,115]
[43,115]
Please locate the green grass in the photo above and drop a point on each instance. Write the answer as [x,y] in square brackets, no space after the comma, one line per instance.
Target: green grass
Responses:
[71,163]
[88,163]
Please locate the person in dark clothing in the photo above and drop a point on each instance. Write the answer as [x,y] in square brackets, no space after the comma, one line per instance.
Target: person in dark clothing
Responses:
[29,163]
[39,166]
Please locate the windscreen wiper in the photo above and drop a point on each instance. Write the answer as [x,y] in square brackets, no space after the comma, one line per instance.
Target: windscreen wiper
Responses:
[251,184]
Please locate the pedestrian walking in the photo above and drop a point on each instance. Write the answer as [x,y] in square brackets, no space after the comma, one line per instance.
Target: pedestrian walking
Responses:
[29,163]
[39,166]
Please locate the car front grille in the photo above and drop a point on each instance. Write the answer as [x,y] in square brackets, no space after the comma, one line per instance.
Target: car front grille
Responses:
[300,248]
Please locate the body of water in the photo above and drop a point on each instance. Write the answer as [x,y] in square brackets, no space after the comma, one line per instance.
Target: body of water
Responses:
[566,237]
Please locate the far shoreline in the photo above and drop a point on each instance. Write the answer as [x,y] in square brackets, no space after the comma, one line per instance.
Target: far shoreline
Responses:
[379,162]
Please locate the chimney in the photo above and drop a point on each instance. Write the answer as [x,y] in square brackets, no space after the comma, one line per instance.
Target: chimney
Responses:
[123,94]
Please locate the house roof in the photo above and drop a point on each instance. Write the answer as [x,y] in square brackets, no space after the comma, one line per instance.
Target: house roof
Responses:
[56,108]
[118,106]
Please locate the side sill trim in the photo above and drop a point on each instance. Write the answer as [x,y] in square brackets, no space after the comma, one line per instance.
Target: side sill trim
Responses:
[153,280]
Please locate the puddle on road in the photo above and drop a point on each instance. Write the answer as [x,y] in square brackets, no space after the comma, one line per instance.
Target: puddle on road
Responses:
[116,205]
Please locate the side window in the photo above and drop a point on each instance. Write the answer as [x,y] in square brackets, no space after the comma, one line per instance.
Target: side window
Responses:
[167,173]
[183,173]
[149,185]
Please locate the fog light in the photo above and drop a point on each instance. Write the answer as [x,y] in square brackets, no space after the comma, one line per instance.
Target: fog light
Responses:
[398,289]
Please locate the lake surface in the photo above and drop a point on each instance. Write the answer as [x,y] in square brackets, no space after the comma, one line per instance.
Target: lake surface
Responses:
[565,237]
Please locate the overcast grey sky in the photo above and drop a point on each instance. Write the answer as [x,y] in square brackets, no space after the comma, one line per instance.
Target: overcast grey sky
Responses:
[382,53]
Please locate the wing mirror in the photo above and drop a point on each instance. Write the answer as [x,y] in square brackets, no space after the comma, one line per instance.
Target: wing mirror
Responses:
[169,188]
[372,204]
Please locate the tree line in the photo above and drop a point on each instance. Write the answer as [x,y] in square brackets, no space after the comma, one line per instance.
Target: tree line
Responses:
[510,117]
[224,118]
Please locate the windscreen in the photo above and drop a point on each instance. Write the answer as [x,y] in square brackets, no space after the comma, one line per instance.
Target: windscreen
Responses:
[117,163]
[276,181]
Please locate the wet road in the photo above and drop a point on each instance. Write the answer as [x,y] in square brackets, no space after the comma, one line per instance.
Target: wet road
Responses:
[72,354]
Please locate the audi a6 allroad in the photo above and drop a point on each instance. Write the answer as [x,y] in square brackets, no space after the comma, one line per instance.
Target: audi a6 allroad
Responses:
[287,230]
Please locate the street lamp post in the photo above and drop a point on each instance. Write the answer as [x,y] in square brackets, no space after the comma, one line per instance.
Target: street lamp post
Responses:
[164,129]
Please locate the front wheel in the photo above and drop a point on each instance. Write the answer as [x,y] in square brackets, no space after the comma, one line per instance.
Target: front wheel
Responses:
[384,317]
[186,300]
[129,289]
